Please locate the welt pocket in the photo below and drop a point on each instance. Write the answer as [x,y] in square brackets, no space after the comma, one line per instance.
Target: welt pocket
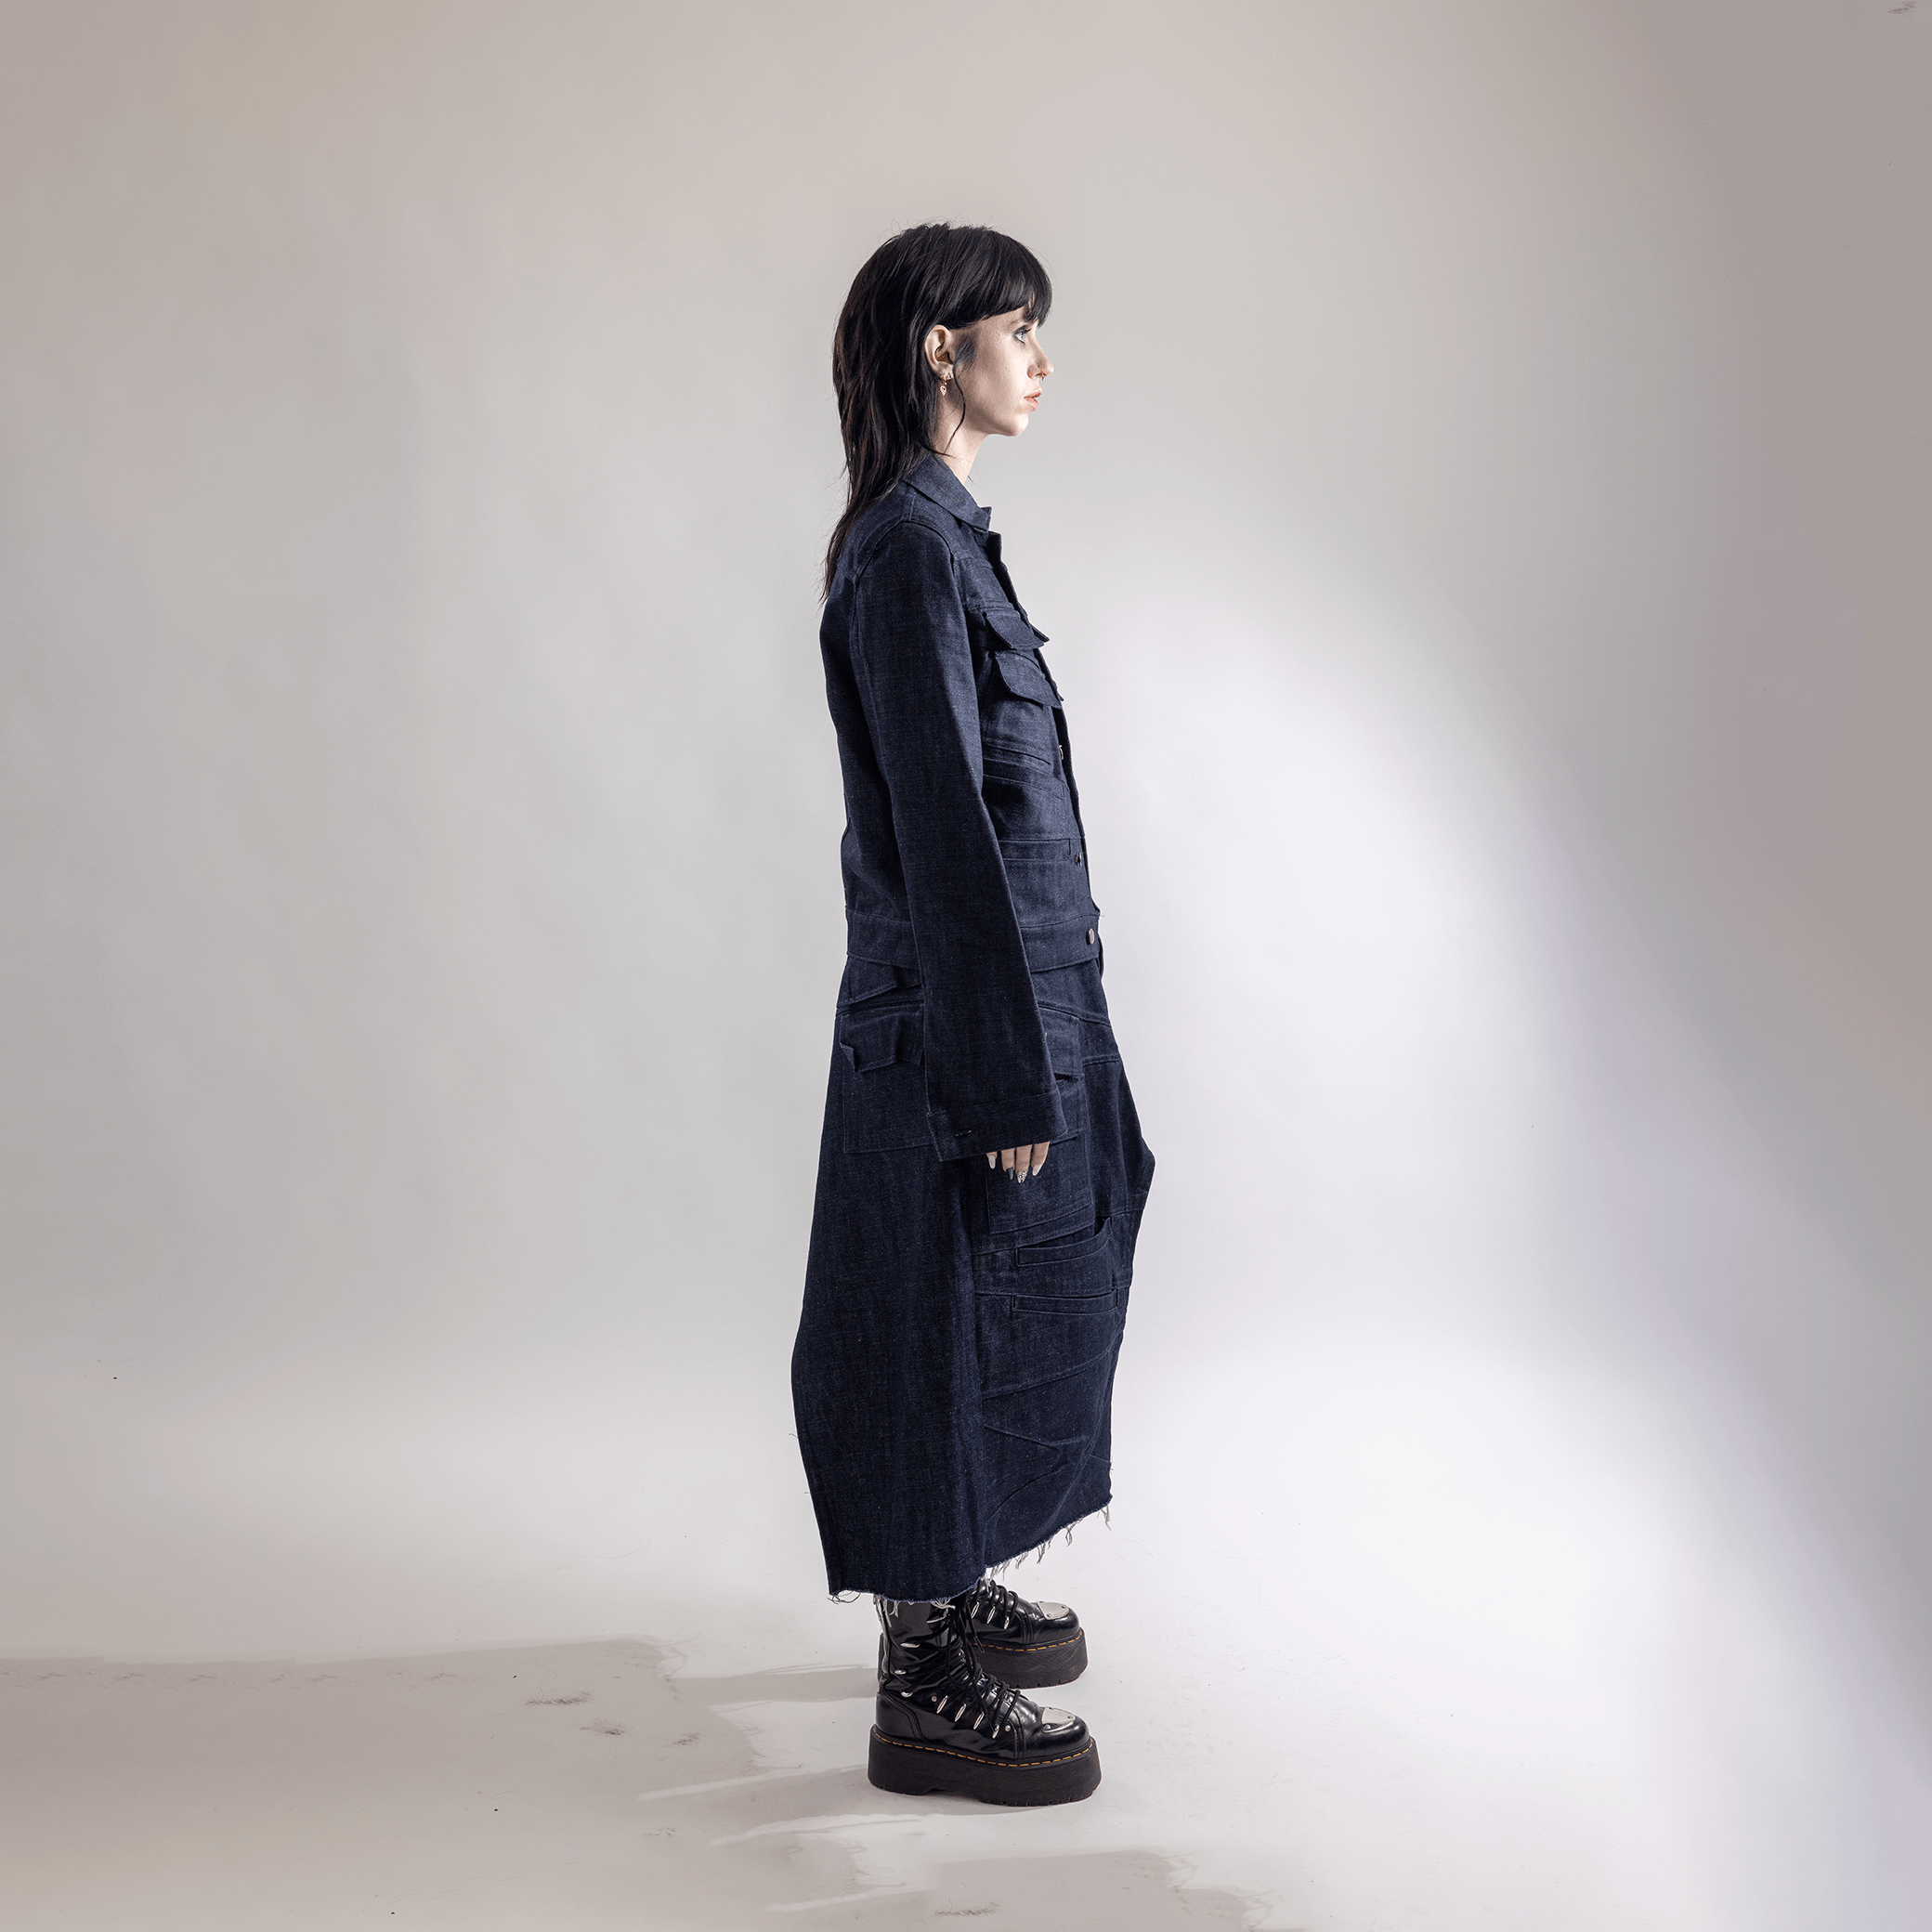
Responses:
[1068,1279]
[1066,1250]
[1065,1304]
[996,750]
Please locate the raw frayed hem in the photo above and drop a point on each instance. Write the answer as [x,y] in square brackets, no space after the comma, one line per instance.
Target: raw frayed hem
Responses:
[1039,1552]
[853,1595]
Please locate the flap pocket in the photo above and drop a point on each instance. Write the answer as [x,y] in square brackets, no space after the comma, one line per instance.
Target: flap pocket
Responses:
[1011,631]
[883,1040]
[866,979]
[881,1088]
[1025,676]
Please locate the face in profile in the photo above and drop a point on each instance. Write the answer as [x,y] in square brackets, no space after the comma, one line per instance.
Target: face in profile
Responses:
[1001,384]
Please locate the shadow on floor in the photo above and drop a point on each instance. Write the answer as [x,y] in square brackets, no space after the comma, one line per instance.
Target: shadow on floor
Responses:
[569,1788]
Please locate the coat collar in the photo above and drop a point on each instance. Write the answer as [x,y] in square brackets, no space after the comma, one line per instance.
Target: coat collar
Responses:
[938,484]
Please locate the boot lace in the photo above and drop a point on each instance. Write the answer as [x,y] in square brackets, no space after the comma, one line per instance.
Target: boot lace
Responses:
[1010,1607]
[995,1707]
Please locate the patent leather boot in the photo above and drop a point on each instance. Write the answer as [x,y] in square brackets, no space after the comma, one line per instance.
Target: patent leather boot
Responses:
[1021,1643]
[943,1725]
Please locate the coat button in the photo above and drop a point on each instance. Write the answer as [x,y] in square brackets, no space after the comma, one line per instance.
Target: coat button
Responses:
[1089,935]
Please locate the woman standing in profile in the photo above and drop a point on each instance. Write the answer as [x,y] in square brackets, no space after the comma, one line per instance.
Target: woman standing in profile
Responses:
[981,1174]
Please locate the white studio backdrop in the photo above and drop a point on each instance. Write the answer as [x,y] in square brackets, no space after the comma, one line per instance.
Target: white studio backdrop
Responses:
[1480,520]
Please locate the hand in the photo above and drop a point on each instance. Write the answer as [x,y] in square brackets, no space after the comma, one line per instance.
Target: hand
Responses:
[1020,1161]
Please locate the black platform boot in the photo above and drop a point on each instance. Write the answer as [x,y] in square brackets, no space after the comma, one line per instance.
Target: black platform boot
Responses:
[943,1725]
[1021,1643]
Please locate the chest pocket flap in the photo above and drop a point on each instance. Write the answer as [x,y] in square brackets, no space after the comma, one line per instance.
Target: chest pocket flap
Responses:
[1010,630]
[1025,676]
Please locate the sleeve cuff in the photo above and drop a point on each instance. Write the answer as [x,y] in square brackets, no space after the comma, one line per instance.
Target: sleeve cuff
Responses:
[997,1125]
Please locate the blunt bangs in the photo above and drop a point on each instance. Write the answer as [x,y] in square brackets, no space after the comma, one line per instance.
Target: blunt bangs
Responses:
[1002,275]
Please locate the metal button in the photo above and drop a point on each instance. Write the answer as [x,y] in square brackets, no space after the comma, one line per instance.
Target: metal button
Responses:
[1089,935]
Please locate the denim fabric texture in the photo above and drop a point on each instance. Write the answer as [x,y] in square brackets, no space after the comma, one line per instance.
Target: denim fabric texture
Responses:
[954,1369]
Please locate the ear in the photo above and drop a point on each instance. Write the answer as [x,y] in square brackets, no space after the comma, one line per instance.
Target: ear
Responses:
[939,347]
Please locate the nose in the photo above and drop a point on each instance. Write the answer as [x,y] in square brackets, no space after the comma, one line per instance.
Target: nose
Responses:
[1042,364]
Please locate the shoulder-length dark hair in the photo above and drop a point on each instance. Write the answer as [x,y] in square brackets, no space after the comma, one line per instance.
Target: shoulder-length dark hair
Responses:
[888,395]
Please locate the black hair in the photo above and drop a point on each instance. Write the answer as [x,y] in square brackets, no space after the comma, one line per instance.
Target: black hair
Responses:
[888,396]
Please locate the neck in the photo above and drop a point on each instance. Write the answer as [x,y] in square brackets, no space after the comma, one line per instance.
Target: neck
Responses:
[957,450]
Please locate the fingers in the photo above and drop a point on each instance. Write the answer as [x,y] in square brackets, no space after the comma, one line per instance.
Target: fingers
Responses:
[1020,1162]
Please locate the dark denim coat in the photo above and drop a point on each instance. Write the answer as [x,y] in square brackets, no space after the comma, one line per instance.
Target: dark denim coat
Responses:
[954,1369]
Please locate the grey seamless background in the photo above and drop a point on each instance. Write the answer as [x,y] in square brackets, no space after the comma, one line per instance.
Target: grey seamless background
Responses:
[1480,516]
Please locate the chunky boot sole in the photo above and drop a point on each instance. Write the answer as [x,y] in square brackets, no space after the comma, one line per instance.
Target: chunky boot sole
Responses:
[919,1770]
[1031,1666]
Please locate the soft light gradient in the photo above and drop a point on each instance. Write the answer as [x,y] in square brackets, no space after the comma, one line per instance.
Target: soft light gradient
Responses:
[1481,515]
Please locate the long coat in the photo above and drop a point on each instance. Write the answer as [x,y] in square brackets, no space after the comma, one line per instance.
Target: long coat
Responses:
[954,1370]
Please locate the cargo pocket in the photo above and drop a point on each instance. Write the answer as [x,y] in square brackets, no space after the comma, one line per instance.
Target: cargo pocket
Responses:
[1047,1352]
[1016,705]
[1060,1196]
[884,1088]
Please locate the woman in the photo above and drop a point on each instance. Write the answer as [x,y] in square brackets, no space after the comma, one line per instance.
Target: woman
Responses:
[981,1174]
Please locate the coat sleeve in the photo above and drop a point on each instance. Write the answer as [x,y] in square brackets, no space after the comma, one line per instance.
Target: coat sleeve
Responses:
[989,1082]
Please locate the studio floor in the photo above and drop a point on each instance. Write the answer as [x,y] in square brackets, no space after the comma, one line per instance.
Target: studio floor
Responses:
[1468,1657]
[569,1785]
